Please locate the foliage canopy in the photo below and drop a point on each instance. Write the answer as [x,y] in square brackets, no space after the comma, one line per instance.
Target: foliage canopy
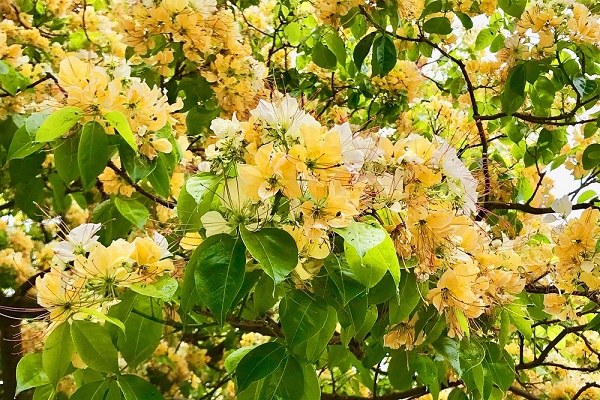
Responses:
[286,199]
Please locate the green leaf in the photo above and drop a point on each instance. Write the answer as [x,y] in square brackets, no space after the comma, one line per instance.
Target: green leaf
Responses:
[94,346]
[318,343]
[30,372]
[202,188]
[119,121]
[542,94]
[503,336]
[137,166]
[286,382]
[159,178]
[427,373]
[301,317]
[408,298]
[343,278]
[371,268]
[293,33]
[45,392]
[384,56]
[484,39]
[337,46]
[362,48]
[92,391]
[259,363]
[58,123]
[591,156]
[58,349]
[164,288]
[465,20]
[103,317]
[133,210]
[142,335]
[21,145]
[312,390]
[274,249]
[400,373]
[11,81]
[323,57]
[92,153]
[65,158]
[114,224]
[219,274]
[233,359]
[520,319]
[363,236]
[449,349]
[439,25]
[136,388]
[513,7]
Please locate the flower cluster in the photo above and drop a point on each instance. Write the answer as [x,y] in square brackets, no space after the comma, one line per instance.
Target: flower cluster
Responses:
[98,90]
[207,35]
[86,275]
[285,169]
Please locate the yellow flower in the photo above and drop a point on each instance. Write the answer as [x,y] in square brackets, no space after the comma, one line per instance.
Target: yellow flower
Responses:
[59,295]
[273,172]
[147,255]
[329,206]
[105,268]
[320,154]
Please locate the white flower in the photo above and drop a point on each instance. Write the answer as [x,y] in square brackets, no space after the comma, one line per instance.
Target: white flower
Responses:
[356,150]
[214,223]
[447,159]
[284,115]
[78,241]
[225,128]
[563,206]
[161,242]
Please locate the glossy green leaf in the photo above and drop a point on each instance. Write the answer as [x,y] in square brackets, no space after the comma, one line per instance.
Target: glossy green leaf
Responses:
[137,388]
[274,249]
[362,48]
[65,158]
[520,319]
[233,359]
[142,335]
[119,121]
[363,236]
[371,268]
[92,391]
[301,316]
[136,165]
[22,145]
[591,156]
[259,363]
[30,372]
[92,152]
[439,25]
[384,56]
[164,288]
[57,352]
[133,210]
[485,37]
[337,46]
[58,123]
[323,57]
[94,346]
[408,298]
[160,178]
[219,274]
[513,7]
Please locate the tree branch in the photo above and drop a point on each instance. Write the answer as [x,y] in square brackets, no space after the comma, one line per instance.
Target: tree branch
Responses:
[138,188]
